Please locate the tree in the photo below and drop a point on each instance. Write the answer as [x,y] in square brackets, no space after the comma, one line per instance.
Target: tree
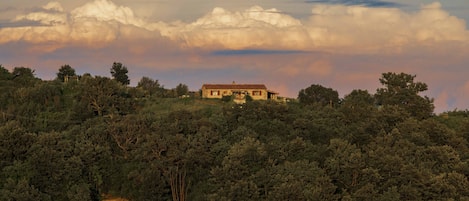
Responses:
[401,90]
[64,71]
[6,87]
[360,116]
[318,94]
[181,89]
[4,73]
[300,180]
[119,73]
[23,76]
[238,176]
[150,86]
[103,96]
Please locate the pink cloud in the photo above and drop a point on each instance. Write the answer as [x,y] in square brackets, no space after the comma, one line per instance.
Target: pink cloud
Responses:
[342,47]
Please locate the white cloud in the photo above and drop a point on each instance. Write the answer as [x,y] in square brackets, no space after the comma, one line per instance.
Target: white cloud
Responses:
[55,6]
[364,28]
[53,14]
[105,10]
[253,28]
[331,27]
[348,29]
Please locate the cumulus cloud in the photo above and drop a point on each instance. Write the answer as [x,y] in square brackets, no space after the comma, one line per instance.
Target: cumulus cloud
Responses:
[52,14]
[105,10]
[94,24]
[254,27]
[330,27]
[365,28]
[340,46]
[342,28]
[55,6]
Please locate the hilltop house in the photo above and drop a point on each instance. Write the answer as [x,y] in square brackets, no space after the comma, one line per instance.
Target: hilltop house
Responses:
[255,91]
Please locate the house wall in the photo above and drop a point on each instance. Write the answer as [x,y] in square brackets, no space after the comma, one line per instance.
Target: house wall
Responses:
[256,94]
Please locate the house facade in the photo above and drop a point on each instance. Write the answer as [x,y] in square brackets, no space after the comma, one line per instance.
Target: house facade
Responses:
[239,91]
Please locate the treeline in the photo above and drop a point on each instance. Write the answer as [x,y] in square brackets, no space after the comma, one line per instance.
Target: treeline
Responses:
[87,139]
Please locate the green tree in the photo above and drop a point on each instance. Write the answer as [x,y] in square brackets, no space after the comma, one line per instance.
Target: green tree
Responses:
[4,73]
[119,73]
[317,94]
[21,190]
[55,169]
[14,143]
[101,96]
[181,89]
[23,76]
[360,116]
[151,87]
[401,90]
[6,87]
[238,176]
[300,180]
[65,70]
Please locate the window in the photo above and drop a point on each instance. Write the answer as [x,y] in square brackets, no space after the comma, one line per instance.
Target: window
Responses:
[214,93]
[256,93]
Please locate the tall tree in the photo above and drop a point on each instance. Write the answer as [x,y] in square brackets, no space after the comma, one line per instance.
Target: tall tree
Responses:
[401,90]
[6,86]
[150,86]
[318,94]
[24,76]
[65,70]
[119,73]
[181,89]
[4,73]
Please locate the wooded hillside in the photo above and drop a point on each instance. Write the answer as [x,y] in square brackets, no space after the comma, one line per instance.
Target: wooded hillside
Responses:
[95,136]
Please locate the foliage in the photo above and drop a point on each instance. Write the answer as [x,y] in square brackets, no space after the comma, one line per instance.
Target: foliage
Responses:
[81,140]
[401,90]
[181,89]
[151,87]
[317,94]
[119,73]
[64,71]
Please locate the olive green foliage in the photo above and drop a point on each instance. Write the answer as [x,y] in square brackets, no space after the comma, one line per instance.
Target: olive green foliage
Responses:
[317,94]
[82,140]
[151,87]
[181,89]
[401,90]
[119,73]
[65,70]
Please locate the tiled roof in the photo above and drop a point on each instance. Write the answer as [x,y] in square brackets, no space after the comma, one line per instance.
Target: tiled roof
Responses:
[234,86]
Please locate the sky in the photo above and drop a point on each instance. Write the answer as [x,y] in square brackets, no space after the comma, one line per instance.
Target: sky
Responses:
[287,45]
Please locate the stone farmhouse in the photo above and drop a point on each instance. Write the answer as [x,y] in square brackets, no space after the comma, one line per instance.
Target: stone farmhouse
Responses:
[239,91]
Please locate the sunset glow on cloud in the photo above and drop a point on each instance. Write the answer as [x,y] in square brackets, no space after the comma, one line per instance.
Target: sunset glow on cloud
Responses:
[342,46]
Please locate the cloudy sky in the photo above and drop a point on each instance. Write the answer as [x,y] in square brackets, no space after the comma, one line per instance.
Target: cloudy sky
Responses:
[286,44]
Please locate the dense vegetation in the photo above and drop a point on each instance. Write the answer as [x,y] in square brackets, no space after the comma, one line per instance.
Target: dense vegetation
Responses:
[95,136]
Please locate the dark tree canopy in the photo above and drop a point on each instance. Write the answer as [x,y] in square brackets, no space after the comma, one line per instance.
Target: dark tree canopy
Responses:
[23,72]
[401,90]
[150,86]
[65,70]
[4,73]
[318,94]
[119,73]
[181,89]
[358,97]
[97,139]
[23,76]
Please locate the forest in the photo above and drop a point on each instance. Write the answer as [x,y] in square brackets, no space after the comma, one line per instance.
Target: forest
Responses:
[86,137]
